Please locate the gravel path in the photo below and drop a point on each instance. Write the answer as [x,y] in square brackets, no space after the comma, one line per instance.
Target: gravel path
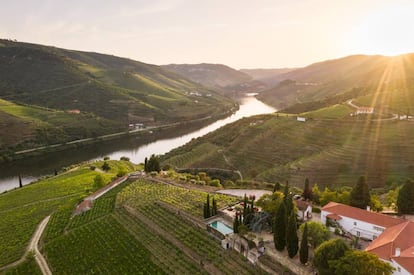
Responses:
[33,246]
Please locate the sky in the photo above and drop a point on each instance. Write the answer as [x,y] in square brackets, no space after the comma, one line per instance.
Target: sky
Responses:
[238,33]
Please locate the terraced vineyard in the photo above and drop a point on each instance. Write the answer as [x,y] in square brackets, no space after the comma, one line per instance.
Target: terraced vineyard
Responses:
[198,240]
[329,152]
[22,210]
[144,192]
[164,253]
[102,247]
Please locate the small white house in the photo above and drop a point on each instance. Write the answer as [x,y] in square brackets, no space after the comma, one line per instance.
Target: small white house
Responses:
[358,222]
[301,119]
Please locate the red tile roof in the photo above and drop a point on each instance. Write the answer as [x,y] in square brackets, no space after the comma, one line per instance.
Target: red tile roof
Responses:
[398,236]
[361,214]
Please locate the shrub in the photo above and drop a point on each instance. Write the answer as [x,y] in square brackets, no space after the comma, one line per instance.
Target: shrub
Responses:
[92,167]
[215,183]
[125,158]
[106,158]
[316,209]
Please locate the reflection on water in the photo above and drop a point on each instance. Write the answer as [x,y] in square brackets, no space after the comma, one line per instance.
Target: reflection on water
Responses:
[135,147]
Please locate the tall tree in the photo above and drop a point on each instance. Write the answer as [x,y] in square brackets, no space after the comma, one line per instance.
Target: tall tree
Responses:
[304,249]
[361,263]
[236,223]
[20,181]
[146,164]
[214,207]
[307,191]
[279,228]
[277,187]
[153,164]
[292,236]
[360,194]
[244,207]
[405,200]
[287,200]
[317,233]
[208,213]
[327,253]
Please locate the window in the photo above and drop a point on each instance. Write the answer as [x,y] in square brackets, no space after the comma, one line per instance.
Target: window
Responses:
[355,223]
[399,269]
[358,234]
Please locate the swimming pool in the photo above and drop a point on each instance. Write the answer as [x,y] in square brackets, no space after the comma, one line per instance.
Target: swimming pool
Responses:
[221,227]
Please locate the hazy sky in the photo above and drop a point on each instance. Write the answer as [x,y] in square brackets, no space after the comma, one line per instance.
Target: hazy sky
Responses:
[238,33]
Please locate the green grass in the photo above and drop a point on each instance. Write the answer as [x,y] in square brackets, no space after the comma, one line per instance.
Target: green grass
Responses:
[336,111]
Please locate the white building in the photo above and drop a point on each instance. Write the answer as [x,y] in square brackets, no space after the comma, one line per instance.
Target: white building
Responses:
[393,238]
[356,221]
[396,246]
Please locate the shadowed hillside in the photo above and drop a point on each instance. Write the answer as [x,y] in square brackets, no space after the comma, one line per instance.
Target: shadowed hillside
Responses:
[218,76]
[39,82]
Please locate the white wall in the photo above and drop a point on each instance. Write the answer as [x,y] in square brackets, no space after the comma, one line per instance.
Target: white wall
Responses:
[399,270]
[353,226]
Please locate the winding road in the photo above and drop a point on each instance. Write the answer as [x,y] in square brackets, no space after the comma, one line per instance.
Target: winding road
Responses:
[33,246]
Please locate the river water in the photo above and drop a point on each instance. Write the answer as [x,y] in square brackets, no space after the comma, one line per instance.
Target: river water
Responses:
[136,148]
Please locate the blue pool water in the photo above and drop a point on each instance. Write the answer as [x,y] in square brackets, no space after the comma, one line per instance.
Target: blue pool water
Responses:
[221,227]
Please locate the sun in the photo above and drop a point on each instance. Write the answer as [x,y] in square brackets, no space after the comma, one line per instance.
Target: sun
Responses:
[386,30]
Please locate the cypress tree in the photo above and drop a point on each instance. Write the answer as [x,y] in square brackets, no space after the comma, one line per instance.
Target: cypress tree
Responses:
[146,164]
[20,181]
[236,224]
[303,251]
[292,236]
[214,208]
[208,213]
[405,200]
[307,191]
[359,196]
[245,206]
[277,187]
[279,228]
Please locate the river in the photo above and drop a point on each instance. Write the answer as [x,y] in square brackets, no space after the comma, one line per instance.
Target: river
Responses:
[136,148]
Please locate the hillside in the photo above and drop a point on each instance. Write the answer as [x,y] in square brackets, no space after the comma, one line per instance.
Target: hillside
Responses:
[218,76]
[268,76]
[140,226]
[330,149]
[109,90]
[386,79]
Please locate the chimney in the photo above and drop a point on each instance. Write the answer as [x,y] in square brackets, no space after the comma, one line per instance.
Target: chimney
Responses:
[397,252]
[368,208]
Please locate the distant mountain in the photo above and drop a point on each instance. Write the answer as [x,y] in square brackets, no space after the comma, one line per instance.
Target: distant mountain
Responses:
[113,91]
[217,76]
[388,77]
[268,76]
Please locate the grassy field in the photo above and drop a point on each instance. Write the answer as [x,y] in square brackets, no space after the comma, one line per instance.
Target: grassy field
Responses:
[22,210]
[329,152]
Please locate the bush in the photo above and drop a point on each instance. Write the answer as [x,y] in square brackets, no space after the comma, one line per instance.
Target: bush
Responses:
[215,183]
[316,209]
[92,167]
[106,158]
[121,173]
[124,158]
[153,173]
